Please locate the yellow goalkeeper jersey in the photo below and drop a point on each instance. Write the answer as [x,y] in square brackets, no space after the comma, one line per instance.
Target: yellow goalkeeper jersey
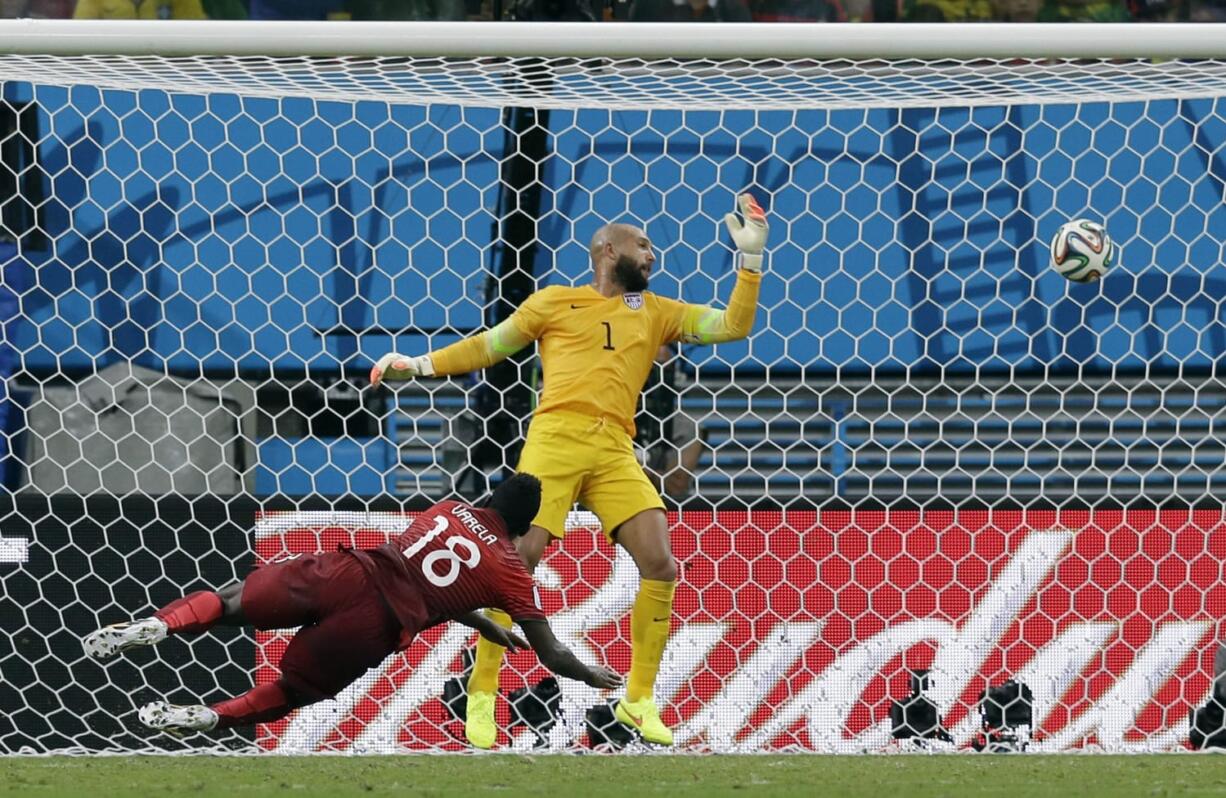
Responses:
[596,351]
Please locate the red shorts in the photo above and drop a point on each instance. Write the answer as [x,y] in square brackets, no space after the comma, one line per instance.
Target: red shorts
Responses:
[347,626]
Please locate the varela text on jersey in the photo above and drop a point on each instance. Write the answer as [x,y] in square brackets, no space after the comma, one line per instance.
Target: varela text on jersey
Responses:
[469,520]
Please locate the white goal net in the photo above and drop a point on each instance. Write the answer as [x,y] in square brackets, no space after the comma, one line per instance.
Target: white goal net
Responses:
[932,455]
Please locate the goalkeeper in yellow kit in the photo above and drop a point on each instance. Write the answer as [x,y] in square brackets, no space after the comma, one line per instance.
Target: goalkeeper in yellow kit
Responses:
[597,344]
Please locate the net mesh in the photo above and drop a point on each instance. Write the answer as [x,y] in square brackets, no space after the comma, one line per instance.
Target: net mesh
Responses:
[638,83]
[933,454]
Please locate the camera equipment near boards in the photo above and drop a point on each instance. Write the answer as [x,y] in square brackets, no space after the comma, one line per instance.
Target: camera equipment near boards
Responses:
[1207,723]
[1006,712]
[916,716]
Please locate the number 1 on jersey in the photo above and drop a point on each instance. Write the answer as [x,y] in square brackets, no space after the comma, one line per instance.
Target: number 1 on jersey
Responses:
[608,337]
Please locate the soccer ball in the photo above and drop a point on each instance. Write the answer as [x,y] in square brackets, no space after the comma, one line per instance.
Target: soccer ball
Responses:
[1082,251]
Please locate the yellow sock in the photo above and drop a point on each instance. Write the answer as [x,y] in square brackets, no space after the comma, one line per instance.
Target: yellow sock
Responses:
[649,627]
[484,678]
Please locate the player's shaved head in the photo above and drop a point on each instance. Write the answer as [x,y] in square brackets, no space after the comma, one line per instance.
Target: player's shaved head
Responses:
[621,258]
[615,233]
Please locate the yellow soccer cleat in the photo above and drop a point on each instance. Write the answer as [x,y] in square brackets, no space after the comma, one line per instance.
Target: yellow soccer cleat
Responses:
[479,726]
[643,717]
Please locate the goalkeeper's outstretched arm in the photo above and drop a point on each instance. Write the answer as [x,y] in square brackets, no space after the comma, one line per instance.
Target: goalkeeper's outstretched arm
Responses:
[695,324]
[471,354]
[705,325]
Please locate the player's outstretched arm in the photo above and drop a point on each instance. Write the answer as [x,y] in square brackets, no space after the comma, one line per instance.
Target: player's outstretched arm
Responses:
[493,632]
[749,234]
[705,325]
[471,354]
[559,659]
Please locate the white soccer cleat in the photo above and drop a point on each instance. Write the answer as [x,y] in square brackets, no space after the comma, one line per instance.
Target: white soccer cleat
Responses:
[177,719]
[110,640]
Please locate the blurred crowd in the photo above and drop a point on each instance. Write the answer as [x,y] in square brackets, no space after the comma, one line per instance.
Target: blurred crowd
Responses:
[636,10]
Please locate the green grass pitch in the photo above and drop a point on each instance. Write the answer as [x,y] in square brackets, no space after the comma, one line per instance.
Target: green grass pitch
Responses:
[624,776]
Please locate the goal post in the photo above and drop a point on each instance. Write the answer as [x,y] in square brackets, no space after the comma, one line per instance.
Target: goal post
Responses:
[933,453]
[656,41]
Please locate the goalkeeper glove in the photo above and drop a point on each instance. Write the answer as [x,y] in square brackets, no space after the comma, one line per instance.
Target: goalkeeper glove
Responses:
[750,235]
[395,366]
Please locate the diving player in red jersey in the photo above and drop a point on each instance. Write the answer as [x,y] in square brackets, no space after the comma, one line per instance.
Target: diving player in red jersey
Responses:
[357,606]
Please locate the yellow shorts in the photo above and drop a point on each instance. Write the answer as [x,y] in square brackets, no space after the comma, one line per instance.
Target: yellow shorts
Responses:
[590,460]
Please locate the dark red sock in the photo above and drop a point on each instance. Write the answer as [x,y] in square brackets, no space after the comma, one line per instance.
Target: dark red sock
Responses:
[261,704]
[195,613]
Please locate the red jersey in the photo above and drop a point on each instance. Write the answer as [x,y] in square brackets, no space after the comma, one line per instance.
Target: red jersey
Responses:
[454,559]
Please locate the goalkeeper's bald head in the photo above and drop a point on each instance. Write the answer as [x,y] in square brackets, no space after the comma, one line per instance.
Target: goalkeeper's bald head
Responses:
[622,253]
[618,235]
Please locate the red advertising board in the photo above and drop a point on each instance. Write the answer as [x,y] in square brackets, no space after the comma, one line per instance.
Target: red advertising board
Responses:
[795,630]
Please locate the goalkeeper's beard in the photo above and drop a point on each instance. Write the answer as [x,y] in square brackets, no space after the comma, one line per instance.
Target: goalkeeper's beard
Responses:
[629,275]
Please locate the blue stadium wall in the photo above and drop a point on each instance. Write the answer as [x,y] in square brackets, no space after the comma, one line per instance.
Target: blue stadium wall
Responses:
[224,234]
